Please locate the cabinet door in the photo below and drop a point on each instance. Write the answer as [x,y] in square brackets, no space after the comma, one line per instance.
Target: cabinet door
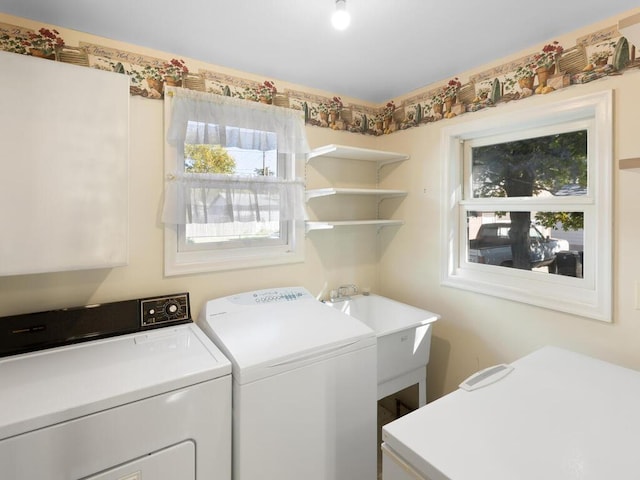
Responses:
[63,166]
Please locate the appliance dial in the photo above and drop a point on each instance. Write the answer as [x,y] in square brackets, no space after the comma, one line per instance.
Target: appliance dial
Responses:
[163,310]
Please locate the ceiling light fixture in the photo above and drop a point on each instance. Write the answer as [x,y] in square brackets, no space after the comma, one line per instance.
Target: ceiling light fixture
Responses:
[341,17]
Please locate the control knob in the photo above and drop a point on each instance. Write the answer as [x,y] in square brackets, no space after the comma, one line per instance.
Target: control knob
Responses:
[171,308]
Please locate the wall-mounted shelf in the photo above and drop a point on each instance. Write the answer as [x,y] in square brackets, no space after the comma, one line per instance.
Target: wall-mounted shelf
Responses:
[380,193]
[630,164]
[376,157]
[354,153]
[328,225]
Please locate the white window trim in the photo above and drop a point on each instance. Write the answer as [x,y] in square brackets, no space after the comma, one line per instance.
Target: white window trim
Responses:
[183,263]
[589,297]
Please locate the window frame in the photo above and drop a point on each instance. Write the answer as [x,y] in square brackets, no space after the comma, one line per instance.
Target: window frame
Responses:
[588,297]
[250,254]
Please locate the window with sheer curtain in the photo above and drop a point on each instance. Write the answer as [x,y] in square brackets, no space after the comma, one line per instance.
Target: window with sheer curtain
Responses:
[232,199]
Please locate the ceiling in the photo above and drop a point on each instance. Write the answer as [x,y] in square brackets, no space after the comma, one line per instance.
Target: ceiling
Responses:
[392,47]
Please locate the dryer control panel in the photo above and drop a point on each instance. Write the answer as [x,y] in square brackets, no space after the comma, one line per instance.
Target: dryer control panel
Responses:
[54,328]
[167,309]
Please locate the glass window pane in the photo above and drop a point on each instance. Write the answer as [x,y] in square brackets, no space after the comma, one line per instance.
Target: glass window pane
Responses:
[233,216]
[255,162]
[552,165]
[230,150]
[548,242]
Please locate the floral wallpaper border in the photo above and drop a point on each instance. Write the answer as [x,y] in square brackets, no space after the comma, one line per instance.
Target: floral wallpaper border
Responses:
[594,56]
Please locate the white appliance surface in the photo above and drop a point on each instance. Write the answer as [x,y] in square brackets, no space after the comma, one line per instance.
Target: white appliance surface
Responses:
[88,377]
[558,415]
[304,389]
[264,332]
[146,399]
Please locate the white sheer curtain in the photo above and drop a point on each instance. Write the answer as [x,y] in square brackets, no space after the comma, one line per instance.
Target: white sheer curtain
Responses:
[203,118]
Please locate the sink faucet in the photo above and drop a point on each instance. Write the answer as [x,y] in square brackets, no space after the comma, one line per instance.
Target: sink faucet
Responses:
[345,291]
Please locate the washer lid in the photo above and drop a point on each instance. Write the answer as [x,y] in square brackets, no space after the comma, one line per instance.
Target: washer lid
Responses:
[51,386]
[559,415]
[270,331]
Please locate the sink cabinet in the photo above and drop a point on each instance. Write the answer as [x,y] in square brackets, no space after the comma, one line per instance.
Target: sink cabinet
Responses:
[403,334]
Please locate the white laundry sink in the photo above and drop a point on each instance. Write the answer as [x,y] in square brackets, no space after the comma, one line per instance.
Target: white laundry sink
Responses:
[403,337]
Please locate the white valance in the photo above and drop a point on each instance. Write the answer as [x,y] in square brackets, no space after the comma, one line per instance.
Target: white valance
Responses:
[209,113]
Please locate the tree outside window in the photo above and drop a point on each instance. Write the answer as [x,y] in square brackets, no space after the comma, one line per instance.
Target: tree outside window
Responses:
[551,165]
[531,173]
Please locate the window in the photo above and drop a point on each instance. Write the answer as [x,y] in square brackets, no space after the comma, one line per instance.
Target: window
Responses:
[228,213]
[231,200]
[528,206]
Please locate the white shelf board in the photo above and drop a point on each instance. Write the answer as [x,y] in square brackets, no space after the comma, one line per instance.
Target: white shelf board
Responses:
[324,192]
[354,153]
[630,164]
[328,225]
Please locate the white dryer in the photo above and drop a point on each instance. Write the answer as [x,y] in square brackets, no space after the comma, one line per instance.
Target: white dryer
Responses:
[128,390]
[304,386]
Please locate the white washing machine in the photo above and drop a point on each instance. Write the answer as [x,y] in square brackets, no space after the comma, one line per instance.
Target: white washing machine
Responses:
[304,386]
[127,390]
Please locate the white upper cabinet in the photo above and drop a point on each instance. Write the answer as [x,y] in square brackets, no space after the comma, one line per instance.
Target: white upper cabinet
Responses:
[64,143]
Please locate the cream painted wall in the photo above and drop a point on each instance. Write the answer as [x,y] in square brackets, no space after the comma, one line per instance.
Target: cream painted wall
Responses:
[477,330]
[330,259]
[402,263]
